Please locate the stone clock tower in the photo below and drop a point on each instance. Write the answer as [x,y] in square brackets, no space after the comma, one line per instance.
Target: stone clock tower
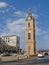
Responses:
[30,34]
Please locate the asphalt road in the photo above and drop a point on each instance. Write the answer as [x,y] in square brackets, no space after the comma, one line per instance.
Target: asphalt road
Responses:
[29,61]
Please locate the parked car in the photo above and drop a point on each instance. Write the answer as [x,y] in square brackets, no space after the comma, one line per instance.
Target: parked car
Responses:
[13,54]
[5,54]
[45,53]
[40,55]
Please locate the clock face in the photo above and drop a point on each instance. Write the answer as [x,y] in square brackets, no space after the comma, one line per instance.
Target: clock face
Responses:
[28,17]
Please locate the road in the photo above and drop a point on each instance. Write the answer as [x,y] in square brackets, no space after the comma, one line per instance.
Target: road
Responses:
[29,61]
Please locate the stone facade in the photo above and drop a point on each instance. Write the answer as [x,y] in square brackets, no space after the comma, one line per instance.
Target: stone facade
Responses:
[30,35]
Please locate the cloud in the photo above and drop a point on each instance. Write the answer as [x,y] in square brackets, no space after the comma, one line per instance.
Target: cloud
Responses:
[7,10]
[3,4]
[35,9]
[35,15]
[20,13]
[2,11]
[38,31]
[14,8]
[46,37]
[46,34]
[16,25]
[6,7]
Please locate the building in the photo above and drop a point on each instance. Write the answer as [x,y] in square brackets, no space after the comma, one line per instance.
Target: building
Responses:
[30,34]
[12,41]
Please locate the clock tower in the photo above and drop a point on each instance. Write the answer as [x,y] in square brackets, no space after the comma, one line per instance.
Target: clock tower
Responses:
[30,34]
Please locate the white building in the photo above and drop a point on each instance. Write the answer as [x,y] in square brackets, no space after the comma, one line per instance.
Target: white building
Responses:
[12,40]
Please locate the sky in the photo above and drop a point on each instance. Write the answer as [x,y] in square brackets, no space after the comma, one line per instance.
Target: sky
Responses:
[13,14]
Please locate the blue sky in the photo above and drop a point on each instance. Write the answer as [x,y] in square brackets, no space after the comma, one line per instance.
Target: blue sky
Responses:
[12,20]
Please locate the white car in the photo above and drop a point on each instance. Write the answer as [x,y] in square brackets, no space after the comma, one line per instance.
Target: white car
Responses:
[5,54]
[2,54]
[14,54]
[40,55]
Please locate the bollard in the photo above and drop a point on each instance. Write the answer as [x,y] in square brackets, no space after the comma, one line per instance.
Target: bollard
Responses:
[18,58]
[0,59]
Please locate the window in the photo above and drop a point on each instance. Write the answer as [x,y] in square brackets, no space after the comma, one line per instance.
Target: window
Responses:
[8,39]
[28,24]
[29,35]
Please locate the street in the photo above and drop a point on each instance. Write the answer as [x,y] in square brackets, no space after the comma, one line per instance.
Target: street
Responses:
[29,61]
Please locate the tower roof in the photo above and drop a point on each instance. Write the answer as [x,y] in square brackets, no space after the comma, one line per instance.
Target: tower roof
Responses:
[29,16]
[29,12]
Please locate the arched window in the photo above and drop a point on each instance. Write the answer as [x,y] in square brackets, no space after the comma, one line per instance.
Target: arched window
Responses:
[28,24]
[29,35]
